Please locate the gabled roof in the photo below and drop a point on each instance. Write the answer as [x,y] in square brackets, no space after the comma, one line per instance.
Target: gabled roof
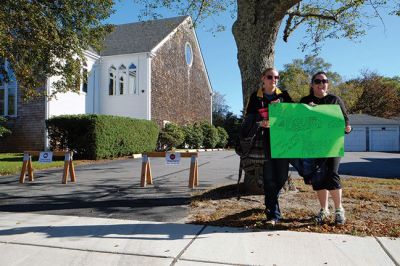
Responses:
[139,37]
[363,119]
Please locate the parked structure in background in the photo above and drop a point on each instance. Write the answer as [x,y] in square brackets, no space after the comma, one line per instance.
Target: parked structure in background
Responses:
[150,70]
[372,133]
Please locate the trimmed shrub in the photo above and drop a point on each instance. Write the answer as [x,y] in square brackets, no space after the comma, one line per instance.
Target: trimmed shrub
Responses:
[171,136]
[223,137]
[193,136]
[210,134]
[101,136]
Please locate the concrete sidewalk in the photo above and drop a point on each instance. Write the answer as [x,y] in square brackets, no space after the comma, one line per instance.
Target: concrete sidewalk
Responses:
[38,239]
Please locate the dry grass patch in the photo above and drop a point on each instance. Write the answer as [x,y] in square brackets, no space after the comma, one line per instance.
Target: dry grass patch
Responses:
[372,208]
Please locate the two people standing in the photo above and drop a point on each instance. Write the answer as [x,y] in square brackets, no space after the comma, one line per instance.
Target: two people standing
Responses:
[275,171]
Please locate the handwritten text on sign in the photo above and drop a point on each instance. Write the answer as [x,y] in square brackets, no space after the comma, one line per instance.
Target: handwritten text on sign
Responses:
[303,131]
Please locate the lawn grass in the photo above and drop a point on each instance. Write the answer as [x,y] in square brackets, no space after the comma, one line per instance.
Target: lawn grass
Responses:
[11,163]
[371,204]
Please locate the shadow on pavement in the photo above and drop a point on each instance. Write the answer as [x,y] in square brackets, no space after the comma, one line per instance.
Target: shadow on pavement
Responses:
[372,167]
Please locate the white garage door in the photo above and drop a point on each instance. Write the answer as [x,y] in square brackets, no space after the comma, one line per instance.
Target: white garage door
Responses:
[384,139]
[356,140]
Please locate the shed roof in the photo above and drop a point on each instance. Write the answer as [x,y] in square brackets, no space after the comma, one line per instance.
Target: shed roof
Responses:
[364,119]
[139,37]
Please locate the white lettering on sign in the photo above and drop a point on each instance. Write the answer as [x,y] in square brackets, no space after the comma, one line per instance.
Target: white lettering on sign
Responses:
[45,157]
[172,158]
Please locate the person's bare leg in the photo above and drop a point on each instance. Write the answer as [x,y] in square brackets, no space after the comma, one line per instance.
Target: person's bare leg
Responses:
[337,198]
[340,217]
[323,198]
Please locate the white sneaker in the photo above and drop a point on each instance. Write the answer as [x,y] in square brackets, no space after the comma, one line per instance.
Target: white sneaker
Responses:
[322,216]
[340,218]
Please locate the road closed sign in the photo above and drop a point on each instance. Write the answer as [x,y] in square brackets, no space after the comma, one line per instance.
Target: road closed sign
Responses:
[45,157]
[172,158]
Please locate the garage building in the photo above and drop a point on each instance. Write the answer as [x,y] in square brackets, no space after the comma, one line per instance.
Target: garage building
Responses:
[372,133]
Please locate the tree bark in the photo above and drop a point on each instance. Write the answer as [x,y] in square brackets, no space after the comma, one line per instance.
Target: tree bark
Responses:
[255,31]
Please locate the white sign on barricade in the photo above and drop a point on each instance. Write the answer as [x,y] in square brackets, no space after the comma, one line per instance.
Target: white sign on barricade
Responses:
[172,158]
[46,157]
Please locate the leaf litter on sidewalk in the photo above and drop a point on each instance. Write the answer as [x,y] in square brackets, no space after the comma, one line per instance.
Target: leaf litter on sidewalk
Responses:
[371,204]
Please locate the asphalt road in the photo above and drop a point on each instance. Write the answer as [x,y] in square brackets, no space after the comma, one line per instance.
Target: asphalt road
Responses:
[113,189]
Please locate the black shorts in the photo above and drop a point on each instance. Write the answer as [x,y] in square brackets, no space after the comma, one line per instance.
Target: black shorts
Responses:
[330,180]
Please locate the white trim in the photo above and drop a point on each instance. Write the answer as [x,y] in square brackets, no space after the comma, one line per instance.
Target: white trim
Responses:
[169,36]
[124,55]
[91,54]
[46,115]
[149,58]
[201,56]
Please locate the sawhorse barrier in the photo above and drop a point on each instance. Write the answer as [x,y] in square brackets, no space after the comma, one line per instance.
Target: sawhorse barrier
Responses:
[68,165]
[146,177]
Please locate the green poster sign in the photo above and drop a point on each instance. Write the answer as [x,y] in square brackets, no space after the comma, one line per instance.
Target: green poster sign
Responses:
[303,131]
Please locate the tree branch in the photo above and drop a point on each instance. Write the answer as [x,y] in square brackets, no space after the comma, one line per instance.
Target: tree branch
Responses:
[200,11]
[313,15]
[334,16]
[288,30]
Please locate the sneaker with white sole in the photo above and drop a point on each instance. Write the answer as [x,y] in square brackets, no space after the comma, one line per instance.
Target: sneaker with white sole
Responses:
[340,218]
[322,216]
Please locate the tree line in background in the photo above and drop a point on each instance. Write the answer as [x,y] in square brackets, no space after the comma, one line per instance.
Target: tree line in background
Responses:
[370,93]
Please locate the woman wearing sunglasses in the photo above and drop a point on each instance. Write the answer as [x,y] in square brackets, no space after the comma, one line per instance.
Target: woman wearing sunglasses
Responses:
[275,171]
[329,180]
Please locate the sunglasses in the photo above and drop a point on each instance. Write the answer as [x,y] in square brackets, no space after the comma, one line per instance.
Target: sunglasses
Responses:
[319,81]
[271,77]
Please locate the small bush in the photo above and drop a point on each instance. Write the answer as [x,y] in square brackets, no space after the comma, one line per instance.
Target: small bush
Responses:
[210,134]
[193,136]
[171,136]
[101,136]
[223,137]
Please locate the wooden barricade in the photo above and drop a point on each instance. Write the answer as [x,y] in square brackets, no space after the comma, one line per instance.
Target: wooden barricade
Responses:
[68,165]
[146,177]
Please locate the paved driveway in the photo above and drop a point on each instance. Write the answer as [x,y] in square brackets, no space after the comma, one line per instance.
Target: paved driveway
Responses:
[112,189]
[371,164]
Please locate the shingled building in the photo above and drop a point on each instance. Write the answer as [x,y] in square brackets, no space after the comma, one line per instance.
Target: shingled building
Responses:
[150,70]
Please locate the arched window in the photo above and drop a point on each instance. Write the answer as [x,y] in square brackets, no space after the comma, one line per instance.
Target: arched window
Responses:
[121,80]
[188,54]
[112,81]
[132,79]
[8,91]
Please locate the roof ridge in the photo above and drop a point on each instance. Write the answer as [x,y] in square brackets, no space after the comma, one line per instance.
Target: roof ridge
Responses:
[153,20]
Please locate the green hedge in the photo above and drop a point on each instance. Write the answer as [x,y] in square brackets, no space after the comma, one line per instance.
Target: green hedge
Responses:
[171,136]
[193,136]
[222,137]
[211,136]
[101,136]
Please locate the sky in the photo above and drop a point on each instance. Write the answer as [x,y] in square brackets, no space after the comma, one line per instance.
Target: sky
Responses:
[377,51]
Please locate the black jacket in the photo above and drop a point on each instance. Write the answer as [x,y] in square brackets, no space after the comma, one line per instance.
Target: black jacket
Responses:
[328,99]
[257,101]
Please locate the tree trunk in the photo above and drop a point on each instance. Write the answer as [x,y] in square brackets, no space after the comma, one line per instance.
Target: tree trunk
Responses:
[255,32]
